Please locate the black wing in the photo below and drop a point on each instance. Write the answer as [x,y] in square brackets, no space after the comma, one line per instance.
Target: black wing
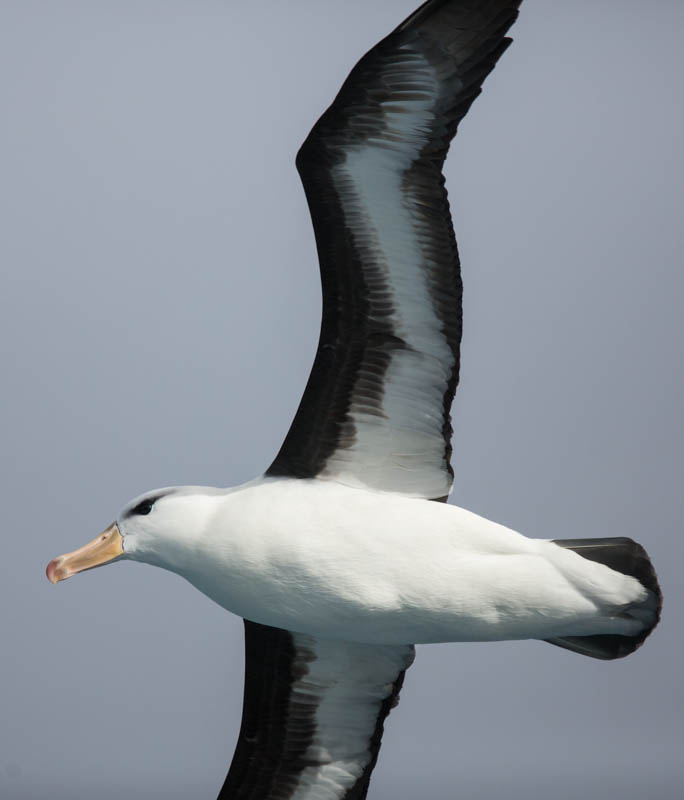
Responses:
[375,412]
[313,715]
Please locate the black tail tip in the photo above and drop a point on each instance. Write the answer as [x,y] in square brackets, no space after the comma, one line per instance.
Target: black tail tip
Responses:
[628,557]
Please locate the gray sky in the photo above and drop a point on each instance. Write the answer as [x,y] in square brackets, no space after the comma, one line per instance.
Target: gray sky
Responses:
[158,317]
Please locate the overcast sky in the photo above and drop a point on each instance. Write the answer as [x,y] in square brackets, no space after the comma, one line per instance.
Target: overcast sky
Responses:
[159,311]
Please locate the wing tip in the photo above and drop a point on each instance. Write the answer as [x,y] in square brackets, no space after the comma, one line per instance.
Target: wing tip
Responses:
[507,9]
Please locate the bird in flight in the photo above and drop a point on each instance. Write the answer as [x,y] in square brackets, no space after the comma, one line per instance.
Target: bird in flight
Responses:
[344,554]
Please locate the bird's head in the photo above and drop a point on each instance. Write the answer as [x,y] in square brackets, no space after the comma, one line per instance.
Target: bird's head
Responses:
[158,528]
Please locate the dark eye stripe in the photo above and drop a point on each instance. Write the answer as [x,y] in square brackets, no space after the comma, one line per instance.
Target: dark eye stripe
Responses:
[144,506]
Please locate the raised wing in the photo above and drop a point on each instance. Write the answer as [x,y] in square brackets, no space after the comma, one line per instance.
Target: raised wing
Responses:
[313,716]
[375,412]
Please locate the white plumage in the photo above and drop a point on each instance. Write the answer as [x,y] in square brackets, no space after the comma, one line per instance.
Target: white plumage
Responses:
[337,562]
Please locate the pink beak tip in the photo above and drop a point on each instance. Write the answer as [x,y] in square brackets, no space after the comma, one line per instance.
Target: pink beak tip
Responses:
[51,569]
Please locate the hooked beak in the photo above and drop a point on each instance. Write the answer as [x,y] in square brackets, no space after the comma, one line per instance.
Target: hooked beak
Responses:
[106,547]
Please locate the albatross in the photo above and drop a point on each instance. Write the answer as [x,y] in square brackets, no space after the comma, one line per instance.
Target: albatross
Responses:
[344,554]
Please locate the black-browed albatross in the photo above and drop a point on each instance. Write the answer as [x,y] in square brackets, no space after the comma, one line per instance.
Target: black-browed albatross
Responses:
[333,557]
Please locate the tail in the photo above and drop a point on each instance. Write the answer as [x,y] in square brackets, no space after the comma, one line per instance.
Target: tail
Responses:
[626,556]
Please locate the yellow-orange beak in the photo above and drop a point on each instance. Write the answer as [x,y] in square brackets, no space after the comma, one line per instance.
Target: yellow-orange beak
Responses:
[104,548]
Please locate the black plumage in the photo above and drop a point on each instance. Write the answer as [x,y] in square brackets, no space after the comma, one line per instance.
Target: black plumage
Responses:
[274,735]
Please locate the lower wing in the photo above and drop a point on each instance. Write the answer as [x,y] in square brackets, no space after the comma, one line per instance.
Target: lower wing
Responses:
[313,715]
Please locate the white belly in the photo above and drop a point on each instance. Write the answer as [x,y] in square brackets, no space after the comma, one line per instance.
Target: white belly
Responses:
[336,562]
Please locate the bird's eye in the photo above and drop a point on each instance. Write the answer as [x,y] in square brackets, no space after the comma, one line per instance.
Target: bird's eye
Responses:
[143,507]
